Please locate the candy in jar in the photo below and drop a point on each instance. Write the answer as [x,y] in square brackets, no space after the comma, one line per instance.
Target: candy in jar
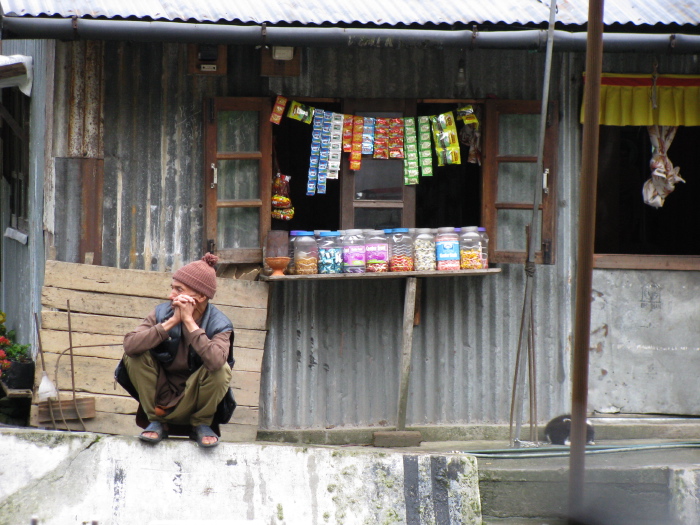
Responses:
[447,249]
[353,252]
[470,248]
[305,254]
[330,253]
[484,248]
[377,252]
[401,251]
[424,250]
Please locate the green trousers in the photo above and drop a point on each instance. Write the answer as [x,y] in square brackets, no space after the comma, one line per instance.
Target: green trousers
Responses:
[203,391]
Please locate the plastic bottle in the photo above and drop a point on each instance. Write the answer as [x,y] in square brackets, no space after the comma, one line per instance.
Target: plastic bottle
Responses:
[447,249]
[470,248]
[330,253]
[305,253]
[484,248]
[424,250]
[401,251]
[353,252]
[377,252]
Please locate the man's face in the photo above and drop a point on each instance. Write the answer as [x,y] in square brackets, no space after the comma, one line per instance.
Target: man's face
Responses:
[177,288]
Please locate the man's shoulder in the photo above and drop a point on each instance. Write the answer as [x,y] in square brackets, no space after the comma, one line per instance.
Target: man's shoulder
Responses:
[220,319]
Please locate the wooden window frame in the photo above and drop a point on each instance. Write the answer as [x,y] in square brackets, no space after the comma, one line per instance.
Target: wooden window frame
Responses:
[14,111]
[263,105]
[348,203]
[493,109]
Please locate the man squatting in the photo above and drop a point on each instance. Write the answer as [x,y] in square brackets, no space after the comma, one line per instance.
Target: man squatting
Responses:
[181,373]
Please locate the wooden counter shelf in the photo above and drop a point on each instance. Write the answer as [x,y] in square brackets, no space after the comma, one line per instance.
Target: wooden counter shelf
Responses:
[379,275]
[400,437]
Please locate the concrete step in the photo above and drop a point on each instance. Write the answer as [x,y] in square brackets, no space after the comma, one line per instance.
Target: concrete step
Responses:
[642,485]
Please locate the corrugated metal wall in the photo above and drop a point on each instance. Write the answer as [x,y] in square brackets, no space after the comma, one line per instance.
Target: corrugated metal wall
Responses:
[23,264]
[332,349]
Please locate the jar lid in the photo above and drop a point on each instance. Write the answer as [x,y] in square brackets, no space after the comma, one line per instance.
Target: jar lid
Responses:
[446,229]
[481,229]
[305,233]
[353,232]
[377,232]
[329,234]
[296,232]
[400,230]
[470,228]
[389,230]
[423,230]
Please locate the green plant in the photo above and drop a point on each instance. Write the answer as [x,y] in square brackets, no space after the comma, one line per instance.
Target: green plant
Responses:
[9,349]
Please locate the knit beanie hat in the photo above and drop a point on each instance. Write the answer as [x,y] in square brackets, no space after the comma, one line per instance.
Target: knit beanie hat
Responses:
[200,275]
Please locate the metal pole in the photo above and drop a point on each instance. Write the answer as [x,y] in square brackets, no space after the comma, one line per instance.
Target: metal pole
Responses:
[584,268]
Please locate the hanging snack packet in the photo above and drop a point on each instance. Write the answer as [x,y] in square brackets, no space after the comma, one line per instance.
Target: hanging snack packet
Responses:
[315,157]
[280,191]
[323,166]
[425,153]
[347,133]
[396,138]
[446,140]
[381,138]
[467,115]
[278,110]
[356,145]
[368,136]
[283,215]
[301,112]
[336,145]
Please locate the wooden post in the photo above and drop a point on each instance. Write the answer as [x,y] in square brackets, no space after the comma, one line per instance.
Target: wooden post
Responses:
[409,310]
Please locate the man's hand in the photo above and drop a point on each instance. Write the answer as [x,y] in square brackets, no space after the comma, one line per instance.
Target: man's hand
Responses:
[185,305]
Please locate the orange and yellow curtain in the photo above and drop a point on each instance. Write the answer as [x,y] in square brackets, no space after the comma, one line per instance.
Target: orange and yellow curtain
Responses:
[649,100]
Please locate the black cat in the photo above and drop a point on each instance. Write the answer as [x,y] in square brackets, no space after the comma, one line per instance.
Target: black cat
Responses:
[558,431]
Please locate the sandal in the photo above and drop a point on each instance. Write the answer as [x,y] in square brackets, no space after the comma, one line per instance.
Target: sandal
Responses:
[201,431]
[157,428]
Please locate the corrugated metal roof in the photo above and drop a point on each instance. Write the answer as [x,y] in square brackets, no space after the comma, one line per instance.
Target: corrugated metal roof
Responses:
[366,12]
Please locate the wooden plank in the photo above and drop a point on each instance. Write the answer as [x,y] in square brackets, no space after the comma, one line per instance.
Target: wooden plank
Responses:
[235,433]
[126,306]
[52,410]
[15,393]
[409,310]
[95,376]
[120,326]
[89,323]
[97,345]
[248,359]
[140,283]
[646,262]
[381,275]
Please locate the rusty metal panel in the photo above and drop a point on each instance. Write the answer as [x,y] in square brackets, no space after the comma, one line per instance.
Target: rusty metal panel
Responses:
[389,12]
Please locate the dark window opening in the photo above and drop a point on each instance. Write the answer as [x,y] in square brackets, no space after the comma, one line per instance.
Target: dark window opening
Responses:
[624,223]
[292,146]
[15,158]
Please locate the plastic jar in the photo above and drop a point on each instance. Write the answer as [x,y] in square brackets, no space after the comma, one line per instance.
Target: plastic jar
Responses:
[377,252]
[470,248]
[292,238]
[305,253]
[401,259]
[353,252]
[330,253]
[447,249]
[484,248]
[424,250]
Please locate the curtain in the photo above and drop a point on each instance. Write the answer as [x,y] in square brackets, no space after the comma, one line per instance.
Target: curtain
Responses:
[648,100]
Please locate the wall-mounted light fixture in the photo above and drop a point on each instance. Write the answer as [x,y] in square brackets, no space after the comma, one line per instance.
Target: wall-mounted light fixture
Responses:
[280,61]
[461,79]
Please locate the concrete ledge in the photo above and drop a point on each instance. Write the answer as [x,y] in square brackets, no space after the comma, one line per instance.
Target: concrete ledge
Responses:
[75,478]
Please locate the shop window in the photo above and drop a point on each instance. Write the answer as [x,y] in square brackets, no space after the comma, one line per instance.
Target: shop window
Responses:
[15,154]
[631,234]
[497,193]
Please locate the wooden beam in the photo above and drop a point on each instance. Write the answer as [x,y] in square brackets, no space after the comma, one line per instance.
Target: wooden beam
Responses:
[409,310]
[12,70]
